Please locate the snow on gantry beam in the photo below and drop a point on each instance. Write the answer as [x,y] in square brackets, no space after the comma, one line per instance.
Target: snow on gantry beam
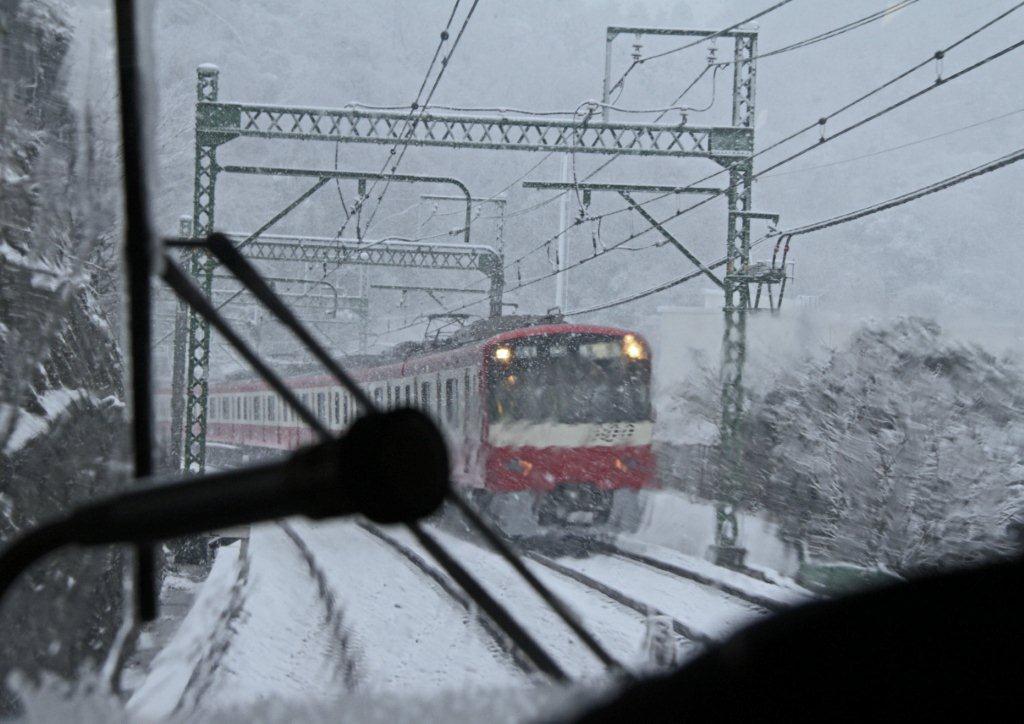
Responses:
[614,30]
[464,257]
[639,188]
[220,122]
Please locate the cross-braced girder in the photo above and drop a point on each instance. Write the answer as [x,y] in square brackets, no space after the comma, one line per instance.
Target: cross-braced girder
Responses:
[221,122]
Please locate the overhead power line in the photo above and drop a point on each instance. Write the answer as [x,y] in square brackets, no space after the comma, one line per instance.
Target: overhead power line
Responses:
[703,39]
[418,108]
[834,32]
[826,35]
[906,198]
[815,124]
[890,149]
[932,188]
[819,123]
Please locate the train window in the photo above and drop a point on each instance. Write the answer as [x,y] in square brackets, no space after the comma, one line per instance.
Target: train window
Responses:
[256,407]
[245,407]
[238,407]
[225,408]
[451,399]
[271,408]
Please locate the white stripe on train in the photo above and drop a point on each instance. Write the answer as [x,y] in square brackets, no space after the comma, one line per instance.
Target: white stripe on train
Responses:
[556,434]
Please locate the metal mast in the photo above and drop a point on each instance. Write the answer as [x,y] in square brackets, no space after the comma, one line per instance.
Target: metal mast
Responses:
[737,302]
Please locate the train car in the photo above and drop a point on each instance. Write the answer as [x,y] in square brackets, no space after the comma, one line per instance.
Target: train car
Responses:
[549,423]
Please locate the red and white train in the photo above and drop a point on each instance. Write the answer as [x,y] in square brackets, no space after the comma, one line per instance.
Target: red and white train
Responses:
[549,423]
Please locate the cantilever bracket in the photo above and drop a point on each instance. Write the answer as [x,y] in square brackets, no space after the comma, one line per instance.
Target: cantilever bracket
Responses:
[675,242]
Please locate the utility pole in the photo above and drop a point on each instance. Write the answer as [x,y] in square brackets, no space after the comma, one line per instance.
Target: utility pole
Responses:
[726,550]
[178,364]
[563,218]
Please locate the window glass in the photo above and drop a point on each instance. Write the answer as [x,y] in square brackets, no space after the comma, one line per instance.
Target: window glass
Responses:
[451,399]
[860,421]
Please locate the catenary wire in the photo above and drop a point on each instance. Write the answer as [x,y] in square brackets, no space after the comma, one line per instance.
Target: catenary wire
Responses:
[905,198]
[852,126]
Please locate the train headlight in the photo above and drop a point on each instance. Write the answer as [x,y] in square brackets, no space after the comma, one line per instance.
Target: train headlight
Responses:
[523,467]
[633,347]
[503,354]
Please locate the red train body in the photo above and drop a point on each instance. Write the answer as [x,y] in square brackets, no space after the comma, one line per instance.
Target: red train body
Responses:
[548,424]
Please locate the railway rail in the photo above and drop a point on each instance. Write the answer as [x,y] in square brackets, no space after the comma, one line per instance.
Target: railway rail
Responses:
[443,582]
[621,598]
[765,602]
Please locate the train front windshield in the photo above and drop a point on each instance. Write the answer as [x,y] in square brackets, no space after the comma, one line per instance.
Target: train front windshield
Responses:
[570,379]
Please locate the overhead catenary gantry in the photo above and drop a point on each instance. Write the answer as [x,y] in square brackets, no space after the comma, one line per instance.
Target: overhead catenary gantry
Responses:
[219,122]
[207,170]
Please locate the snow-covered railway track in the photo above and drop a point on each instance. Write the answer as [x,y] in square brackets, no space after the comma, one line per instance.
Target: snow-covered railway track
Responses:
[768,604]
[333,618]
[705,611]
[620,628]
[448,586]
[265,621]
[409,632]
[643,609]
[219,640]
[764,590]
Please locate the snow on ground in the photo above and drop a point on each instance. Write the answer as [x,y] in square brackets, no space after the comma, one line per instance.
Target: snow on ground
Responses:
[169,674]
[268,639]
[618,628]
[281,648]
[29,426]
[673,520]
[791,595]
[702,608]
[411,636]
